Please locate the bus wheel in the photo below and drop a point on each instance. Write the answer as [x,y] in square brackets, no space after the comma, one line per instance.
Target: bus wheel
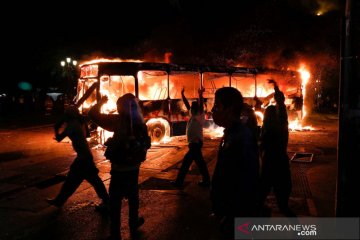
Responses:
[156,131]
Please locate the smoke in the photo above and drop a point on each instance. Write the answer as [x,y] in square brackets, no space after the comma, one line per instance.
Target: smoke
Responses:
[321,7]
[154,55]
[327,6]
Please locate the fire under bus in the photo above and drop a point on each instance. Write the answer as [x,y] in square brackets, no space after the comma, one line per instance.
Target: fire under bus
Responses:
[158,88]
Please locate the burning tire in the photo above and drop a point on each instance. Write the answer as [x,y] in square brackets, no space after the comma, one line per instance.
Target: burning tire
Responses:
[158,129]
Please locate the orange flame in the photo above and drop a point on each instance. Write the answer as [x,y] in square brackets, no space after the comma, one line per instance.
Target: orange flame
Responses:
[305,76]
[109,60]
[296,125]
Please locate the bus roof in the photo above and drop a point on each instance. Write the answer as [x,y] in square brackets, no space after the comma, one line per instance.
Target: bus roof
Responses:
[100,68]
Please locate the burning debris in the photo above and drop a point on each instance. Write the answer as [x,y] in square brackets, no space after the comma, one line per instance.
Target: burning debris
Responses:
[214,131]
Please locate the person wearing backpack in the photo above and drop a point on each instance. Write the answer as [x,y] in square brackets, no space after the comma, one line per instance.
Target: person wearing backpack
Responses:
[127,125]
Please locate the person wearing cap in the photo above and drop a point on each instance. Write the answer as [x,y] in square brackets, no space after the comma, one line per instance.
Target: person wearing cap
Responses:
[83,167]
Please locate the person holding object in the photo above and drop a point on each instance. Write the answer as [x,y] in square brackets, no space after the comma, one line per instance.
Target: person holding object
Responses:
[83,167]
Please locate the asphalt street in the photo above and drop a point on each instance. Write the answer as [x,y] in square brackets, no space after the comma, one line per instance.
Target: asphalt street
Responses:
[33,167]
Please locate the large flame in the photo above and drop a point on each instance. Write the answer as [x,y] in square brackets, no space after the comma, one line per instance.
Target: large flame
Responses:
[296,125]
[305,76]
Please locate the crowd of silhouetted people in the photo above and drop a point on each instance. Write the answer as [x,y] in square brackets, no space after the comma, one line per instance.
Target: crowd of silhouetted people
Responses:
[250,162]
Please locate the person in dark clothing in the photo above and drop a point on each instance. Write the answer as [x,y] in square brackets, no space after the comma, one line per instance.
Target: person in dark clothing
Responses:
[275,161]
[83,167]
[194,133]
[248,117]
[124,173]
[235,179]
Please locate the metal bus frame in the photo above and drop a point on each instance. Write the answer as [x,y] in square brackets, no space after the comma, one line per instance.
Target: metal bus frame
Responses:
[164,112]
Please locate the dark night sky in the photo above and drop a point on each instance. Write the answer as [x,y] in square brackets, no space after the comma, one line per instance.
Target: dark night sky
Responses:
[213,32]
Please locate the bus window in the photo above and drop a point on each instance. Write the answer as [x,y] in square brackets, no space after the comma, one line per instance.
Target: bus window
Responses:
[152,85]
[91,100]
[189,80]
[286,82]
[245,83]
[115,86]
[213,81]
[264,89]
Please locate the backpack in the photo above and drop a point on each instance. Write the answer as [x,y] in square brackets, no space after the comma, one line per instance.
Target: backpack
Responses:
[137,149]
[130,151]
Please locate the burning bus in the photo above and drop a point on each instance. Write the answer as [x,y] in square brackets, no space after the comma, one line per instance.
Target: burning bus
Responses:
[158,88]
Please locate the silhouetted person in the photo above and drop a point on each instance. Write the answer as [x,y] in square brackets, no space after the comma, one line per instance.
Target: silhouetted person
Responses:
[248,117]
[124,173]
[298,104]
[83,167]
[235,179]
[275,161]
[194,133]
[258,104]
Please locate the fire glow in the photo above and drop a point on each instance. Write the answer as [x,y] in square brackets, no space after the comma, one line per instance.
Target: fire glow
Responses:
[98,60]
[296,125]
[214,131]
[158,87]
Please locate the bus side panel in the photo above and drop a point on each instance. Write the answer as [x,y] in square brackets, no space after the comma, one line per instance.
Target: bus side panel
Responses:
[154,108]
[178,128]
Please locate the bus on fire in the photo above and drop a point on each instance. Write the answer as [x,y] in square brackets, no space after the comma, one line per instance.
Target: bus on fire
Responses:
[158,88]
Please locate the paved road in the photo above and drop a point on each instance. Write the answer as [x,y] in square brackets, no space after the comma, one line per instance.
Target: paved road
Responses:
[33,166]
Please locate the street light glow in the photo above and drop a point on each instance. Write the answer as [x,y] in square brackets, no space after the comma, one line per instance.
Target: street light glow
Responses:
[68,62]
[69,69]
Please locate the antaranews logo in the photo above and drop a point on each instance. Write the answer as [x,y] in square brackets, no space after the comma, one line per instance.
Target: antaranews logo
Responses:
[299,229]
[244,228]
